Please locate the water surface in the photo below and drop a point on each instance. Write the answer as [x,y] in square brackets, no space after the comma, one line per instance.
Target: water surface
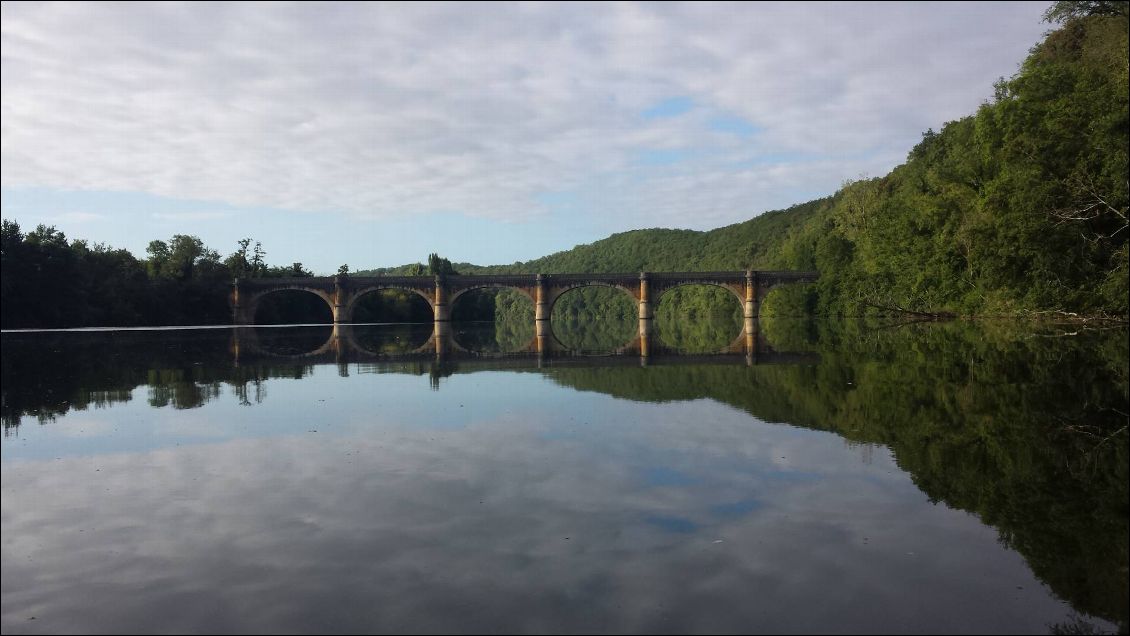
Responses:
[866,478]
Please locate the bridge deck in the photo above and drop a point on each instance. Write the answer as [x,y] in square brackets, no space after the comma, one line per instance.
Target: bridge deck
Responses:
[531,279]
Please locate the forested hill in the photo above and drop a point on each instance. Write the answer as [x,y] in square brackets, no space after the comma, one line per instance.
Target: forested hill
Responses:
[757,242]
[1021,206]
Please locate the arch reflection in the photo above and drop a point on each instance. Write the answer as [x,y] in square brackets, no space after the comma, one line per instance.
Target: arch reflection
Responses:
[344,343]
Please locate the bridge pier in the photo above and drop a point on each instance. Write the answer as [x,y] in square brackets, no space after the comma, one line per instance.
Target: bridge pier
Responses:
[752,305]
[441,338]
[646,317]
[340,302]
[753,342]
[541,299]
[442,308]
[647,326]
[338,344]
[542,331]
[238,308]
[645,297]
[543,336]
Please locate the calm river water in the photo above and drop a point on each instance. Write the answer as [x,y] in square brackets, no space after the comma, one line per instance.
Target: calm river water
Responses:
[865,478]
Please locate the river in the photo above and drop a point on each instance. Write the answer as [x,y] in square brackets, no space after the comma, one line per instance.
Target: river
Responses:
[862,477]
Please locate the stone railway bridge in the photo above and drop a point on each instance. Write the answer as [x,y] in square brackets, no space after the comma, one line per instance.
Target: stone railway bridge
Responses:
[341,293]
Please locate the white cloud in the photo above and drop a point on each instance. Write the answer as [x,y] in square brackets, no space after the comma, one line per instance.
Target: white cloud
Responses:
[381,110]
[387,525]
[79,217]
[201,215]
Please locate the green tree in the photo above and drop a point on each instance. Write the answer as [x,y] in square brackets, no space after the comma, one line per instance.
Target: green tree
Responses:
[1065,10]
[258,260]
[238,263]
[438,266]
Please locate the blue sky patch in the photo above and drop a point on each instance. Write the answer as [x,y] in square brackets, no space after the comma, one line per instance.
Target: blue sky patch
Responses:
[670,107]
[662,157]
[736,509]
[660,476]
[677,525]
[734,125]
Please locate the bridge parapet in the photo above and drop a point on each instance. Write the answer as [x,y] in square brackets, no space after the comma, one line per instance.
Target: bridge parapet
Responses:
[325,283]
[711,276]
[387,281]
[492,280]
[620,278]
[786,276]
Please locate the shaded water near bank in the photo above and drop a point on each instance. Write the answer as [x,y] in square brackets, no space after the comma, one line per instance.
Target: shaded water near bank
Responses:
[846,478]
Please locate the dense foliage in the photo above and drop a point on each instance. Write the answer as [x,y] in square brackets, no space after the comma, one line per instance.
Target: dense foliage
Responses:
[46,281]
[1022,206]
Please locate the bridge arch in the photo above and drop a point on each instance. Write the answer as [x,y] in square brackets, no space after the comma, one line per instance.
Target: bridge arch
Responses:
[492,317]
[456,295]
[739,295]
[699,316]
[591,336]
[560,290]
[250,307]
[250,339]
[361,292]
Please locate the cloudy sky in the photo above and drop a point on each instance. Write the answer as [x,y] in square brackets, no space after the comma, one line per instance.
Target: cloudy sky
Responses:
[373,134]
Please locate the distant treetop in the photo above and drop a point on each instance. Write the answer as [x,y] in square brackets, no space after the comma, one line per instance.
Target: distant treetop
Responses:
[1069,9]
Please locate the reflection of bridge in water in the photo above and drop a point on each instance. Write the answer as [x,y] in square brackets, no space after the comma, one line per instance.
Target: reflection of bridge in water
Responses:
[342,294]
[343,346]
